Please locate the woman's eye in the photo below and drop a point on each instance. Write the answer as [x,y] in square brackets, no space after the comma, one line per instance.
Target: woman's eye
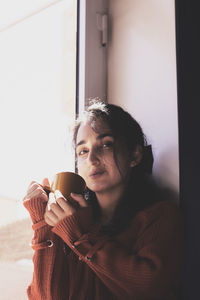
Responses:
[82,152]
[108,145]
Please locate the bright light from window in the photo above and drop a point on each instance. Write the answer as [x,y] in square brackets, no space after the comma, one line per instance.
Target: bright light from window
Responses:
[37,97]
[37,105]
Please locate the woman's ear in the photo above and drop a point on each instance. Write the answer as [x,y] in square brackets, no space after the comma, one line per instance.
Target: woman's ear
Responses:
[136,156]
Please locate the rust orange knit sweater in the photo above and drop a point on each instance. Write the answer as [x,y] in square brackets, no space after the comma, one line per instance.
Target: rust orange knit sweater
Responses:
[141,263]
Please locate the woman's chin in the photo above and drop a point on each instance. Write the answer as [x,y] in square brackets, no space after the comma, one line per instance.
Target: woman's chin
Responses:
[97,188]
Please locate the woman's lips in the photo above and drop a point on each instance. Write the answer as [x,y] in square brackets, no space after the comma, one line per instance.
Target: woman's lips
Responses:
[95,174]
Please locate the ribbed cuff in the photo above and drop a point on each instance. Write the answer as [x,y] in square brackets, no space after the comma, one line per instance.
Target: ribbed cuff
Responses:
[36,208]
[73,227]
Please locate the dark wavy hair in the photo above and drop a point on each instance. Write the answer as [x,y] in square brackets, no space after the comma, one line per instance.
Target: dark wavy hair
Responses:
[125,129]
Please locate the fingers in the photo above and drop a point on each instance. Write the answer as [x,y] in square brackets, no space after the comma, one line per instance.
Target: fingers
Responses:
[32,186]
[61,200]
[59,207]
[35,190]
[57,210]
[36,193]
[50,218]
[45,182]
[52,211]
[79,198]
[49,221]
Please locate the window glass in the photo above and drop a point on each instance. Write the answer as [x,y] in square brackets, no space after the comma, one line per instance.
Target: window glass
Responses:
[37,106]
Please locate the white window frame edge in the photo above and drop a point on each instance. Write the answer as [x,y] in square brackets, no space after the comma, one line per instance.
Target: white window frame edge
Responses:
[81,56]
[85,79]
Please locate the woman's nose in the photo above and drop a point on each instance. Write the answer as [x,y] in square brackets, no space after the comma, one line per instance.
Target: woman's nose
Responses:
[93,157]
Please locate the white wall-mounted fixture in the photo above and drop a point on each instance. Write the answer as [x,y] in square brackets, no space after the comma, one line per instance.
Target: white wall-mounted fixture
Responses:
[102,25]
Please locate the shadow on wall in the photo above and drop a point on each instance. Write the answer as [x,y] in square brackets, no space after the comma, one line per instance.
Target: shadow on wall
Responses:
[166,174]
[166,193]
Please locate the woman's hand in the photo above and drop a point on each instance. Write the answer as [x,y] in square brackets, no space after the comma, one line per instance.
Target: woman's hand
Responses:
[36,199]
[62,208]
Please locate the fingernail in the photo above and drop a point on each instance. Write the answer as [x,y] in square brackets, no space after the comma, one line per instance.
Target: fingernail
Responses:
[51,198]
[58,194]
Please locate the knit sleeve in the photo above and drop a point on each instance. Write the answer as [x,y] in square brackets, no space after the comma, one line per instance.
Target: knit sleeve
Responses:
[48,252]
[142,263]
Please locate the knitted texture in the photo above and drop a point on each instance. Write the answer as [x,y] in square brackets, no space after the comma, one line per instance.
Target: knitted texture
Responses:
[142,263]
[36,207]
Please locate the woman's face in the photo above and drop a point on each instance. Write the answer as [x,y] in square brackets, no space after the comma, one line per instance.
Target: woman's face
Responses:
[95,159]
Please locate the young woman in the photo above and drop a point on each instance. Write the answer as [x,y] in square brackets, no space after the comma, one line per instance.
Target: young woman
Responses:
[123,242]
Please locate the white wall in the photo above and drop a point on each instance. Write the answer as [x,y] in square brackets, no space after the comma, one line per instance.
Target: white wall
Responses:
[142,76]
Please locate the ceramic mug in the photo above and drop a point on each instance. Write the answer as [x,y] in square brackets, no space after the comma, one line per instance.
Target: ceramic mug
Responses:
[66,183]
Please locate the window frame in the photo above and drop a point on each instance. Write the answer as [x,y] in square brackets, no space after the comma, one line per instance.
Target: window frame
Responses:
[91,54]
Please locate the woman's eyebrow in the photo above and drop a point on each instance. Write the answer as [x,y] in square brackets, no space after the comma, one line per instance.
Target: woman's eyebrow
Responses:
[99,137]
[103,135]
[80,143]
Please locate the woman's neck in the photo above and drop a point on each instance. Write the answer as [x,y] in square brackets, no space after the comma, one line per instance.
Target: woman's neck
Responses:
[108,201]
